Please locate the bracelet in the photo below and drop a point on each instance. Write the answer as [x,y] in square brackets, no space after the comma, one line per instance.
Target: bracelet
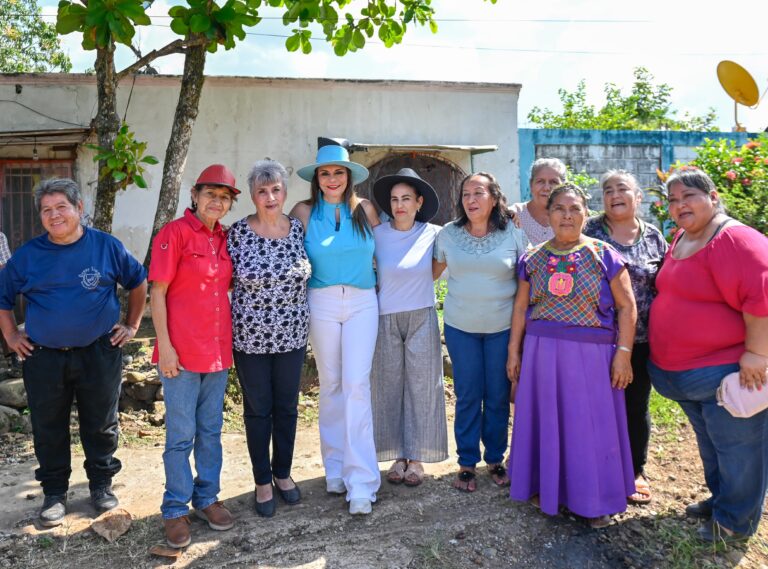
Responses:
[624,349]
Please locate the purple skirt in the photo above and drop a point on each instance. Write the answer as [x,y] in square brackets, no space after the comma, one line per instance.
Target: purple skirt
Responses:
[570,443]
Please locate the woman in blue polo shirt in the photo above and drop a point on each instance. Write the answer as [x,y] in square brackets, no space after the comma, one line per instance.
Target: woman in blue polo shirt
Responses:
[343,321]
[71,341]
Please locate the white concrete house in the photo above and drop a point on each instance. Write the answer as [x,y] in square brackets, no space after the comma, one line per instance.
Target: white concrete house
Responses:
[443,130]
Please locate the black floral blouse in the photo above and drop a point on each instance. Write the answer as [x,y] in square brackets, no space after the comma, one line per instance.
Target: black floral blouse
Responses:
[269,301]
[644,260]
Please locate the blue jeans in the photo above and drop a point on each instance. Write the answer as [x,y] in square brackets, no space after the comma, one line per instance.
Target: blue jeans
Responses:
[734,451]
[194,404]
[482,394]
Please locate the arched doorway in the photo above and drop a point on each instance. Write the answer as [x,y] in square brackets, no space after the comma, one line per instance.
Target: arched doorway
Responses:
[443,175]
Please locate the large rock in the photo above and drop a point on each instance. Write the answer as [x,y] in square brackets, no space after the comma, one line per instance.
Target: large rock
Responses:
[141,391]
[447,365]
[9,418]
[13,394]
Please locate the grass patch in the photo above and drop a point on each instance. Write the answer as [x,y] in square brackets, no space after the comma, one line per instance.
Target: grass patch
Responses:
[682,550]
[665,413]
[434,554]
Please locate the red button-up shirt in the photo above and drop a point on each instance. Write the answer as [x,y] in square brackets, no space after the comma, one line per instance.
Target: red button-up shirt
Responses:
[194,262]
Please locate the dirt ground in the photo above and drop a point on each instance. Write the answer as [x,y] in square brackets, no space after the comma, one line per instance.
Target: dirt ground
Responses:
[426,527]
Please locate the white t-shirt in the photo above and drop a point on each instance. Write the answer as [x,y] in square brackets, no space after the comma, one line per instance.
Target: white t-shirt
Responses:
[404,267]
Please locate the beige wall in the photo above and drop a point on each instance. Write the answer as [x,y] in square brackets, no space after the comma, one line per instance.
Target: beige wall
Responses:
[245,119]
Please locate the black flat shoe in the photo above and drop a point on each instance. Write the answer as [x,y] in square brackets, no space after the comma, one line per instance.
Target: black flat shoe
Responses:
[290,497]
[266,509]
[701,509]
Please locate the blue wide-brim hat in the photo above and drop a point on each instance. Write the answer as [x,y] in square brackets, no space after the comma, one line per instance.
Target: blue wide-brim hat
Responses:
[338,155]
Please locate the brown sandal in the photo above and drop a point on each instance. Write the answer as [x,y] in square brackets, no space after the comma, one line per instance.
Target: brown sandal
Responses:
[642,494]
[414,475]
[396,472]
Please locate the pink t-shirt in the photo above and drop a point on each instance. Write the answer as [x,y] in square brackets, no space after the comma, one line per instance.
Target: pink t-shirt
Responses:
[697,318]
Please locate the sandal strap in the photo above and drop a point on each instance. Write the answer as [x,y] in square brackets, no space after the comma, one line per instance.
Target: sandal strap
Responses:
[466,476]
[497,470]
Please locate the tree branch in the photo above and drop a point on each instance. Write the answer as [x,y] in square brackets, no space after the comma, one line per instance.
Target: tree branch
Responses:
[176,46]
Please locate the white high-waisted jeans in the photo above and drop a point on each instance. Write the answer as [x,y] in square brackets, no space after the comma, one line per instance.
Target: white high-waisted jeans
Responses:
[343,324]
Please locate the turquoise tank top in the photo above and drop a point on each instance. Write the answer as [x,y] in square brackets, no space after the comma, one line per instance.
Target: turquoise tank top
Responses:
[339,254]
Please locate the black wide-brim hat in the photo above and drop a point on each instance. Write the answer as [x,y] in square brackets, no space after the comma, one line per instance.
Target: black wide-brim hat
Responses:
[382,189]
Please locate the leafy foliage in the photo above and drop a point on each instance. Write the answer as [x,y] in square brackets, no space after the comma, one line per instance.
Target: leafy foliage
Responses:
[27,43]
[125,162]
[646,107]
[741,176]
[581,179]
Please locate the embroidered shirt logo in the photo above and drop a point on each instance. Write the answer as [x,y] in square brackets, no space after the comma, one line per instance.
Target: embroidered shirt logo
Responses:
[89,278]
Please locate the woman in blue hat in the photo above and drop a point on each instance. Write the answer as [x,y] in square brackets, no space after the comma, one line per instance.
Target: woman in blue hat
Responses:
[343,320]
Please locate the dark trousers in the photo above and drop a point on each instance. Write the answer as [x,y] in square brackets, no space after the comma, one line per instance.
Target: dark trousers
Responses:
[53,378]
[637,396]
[270,384]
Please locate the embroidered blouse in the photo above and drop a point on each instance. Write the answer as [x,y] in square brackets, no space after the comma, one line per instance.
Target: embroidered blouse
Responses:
[270,314]
[570,296]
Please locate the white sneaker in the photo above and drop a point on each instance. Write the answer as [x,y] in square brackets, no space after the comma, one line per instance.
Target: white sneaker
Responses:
[335,486]
[359,506]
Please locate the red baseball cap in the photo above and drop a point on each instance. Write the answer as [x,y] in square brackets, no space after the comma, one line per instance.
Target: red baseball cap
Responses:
[217,175]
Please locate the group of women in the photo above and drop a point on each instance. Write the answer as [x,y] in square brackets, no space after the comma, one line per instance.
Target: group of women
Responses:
[545,307]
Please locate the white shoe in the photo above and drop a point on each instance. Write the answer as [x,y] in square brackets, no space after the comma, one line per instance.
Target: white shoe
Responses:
[335,486]
[359,506]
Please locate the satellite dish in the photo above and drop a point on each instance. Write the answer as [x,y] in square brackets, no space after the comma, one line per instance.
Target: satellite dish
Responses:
[740,86]
[738,83]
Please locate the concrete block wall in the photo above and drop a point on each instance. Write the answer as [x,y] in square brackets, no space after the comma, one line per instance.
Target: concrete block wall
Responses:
[641,160]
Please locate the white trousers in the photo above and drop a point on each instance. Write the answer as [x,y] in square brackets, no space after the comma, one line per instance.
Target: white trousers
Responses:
[343,324]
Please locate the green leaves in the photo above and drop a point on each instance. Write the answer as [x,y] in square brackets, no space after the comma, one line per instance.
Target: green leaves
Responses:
[28,44]
[102,22]
[647,107]
[124,163]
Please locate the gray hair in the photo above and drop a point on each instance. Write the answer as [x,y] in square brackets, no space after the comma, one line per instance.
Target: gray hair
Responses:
[266,171]
[696,179]
[555,163]
[51,186]
[619,173]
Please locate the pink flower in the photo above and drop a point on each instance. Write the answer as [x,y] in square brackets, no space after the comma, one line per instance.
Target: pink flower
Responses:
[658,203]
[746,182]
[765,161]
[731,175]
[737,160]
[751,144]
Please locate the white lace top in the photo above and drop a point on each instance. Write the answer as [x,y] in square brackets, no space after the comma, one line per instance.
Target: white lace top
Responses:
[535,232]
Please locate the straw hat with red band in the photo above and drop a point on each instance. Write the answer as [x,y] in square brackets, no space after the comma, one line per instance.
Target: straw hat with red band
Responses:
[217,175]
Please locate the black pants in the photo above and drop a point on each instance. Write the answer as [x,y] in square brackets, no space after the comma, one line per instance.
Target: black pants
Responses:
[270,384]
[637,395]
[53,378]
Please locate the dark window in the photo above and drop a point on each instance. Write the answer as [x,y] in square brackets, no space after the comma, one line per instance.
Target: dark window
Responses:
[18,218]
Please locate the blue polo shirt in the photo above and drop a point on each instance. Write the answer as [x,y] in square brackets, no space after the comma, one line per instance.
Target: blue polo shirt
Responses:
[71,290]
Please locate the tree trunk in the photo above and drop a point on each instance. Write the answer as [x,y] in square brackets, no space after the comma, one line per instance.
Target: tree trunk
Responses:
[178,145]
[107,125]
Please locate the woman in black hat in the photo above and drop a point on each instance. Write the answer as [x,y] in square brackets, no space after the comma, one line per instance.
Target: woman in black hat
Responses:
[407,376]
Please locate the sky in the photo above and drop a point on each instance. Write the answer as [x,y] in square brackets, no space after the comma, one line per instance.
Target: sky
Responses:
[543,45]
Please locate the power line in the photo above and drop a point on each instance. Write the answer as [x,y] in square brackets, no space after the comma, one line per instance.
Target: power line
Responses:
[466,20]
